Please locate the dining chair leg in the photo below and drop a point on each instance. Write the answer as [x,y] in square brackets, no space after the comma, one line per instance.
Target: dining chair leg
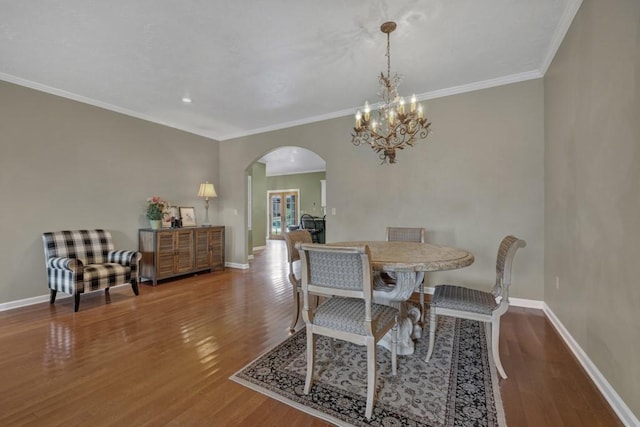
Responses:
[420,276]
[371,377]
[422,311]
[433,323]
[495,346]
[311,350]
[394,349]
[296,310]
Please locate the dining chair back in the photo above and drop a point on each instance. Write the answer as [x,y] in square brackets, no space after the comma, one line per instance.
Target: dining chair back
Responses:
[409,234]
[291,238]
[405,234]
[344,276]
[468,303]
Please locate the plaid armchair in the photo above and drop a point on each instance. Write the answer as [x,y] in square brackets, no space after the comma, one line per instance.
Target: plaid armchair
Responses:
[86,260]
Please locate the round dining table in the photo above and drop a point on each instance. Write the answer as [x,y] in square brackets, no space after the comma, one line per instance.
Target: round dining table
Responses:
[409,261]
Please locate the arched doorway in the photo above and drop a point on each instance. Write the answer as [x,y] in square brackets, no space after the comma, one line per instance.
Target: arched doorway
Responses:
[283,210]
[283,184]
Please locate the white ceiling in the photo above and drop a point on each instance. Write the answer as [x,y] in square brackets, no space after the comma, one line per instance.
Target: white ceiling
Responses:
[292,160]
[254,66]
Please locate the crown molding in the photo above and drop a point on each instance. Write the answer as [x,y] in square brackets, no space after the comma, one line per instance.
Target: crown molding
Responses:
[561,31]
[485,84]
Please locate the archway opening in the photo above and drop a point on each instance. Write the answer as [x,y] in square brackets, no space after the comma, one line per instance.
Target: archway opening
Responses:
[283,184]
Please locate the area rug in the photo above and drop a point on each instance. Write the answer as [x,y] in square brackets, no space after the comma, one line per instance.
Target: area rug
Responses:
[458,387]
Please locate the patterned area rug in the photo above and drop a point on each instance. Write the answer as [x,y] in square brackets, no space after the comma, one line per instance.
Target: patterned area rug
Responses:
[458,387]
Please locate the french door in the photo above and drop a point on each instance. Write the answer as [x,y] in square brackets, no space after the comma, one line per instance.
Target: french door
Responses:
[283,211]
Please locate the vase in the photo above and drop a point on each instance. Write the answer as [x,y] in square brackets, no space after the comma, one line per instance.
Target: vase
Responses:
[155,224]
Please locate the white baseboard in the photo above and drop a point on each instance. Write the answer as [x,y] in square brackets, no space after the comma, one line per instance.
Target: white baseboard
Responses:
[526,303]
[44,298]
[25,302]
[236,265]
[41,298]
[621,409]
[258,248]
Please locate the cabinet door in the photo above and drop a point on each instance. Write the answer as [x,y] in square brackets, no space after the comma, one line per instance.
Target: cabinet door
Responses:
[203,249]
[184,251]
[216,242]
[165,254]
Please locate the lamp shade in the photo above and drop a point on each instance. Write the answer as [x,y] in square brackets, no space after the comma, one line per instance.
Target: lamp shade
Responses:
[207,190]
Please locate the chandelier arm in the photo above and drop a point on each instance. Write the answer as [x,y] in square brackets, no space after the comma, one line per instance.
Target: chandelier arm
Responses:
[396,127]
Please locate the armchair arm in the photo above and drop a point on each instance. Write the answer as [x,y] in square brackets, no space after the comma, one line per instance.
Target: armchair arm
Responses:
[127,258]
[64,263]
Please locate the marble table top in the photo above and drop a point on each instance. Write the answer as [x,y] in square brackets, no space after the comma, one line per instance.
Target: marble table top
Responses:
[410,256]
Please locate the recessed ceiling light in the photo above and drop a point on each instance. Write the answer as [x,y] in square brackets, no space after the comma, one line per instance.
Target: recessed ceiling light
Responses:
[186,100]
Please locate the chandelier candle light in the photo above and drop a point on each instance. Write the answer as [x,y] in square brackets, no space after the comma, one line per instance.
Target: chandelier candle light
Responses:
[206,190]
[397,126]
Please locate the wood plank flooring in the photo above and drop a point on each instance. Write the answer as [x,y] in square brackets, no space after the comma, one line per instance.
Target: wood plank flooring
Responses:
[164,358]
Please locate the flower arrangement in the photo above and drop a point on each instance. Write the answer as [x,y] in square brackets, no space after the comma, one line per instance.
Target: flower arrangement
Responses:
[156,207]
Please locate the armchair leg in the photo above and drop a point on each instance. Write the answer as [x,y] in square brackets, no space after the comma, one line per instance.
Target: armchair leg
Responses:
[52,299]
[134,286]
[76,303]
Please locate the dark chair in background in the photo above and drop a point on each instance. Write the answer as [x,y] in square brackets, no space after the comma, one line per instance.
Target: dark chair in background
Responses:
[313,226]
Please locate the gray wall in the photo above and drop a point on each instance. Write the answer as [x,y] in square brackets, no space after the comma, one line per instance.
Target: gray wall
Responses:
[592,192]
[309,186]
[259,206]
[476,179]
[67,165]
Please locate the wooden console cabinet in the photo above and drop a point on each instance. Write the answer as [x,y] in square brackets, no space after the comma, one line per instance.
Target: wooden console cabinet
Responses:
[177,251]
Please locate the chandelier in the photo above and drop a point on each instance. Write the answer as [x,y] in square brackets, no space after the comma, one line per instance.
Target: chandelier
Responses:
[397,126]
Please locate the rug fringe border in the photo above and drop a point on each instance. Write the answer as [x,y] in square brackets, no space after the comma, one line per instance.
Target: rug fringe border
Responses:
[280,398]
[289,402]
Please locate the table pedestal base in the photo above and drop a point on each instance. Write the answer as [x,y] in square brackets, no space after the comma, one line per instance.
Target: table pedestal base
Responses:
[409,318]
[408,330]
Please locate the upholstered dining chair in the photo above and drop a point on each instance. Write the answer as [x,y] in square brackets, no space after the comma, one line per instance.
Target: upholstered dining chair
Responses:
[344,275]
[409,234]
[488,307]
[293,257]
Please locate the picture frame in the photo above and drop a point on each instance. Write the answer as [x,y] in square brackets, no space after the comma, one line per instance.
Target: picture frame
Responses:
[172,211]
[166,220]
[188,216]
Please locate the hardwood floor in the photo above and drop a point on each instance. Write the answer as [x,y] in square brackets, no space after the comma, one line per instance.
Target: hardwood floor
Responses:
[164,358]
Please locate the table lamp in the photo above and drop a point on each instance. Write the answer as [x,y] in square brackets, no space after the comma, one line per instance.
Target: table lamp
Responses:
[206,190]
